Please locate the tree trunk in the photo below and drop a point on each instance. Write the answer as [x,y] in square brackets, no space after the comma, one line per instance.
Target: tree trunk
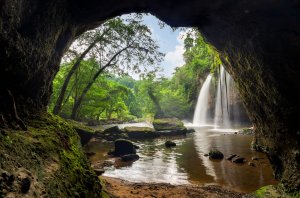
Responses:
[89,85]
[58,103]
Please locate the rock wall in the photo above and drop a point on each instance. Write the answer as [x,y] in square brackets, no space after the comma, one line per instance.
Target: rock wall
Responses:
[259,41]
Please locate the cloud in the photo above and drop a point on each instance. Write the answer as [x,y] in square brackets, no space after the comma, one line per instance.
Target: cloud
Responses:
[174,58]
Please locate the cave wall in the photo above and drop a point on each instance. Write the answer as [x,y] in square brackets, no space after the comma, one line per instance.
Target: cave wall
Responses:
[259,42]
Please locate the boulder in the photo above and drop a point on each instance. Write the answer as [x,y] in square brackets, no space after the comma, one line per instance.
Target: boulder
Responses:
[111,134]
[169,144]
[130,157]
[215,154]
[237,159]
[99,171]
[230,157]
[255,158]
[168,124]
[140,132]
[175,132]
[90,153]
[102,164]
[123,147]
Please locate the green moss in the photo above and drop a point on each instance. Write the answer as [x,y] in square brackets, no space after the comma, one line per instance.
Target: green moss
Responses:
[138,129]
[51,151]
[167,124]
[274,192]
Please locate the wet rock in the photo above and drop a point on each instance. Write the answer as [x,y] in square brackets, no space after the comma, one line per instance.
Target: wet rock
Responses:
[25,185]
[174,132]
[90,153]
[255,158]
[169,144]
[190,130]
[230,157]
[99,171]
[103,164]
[123,147]
[130,157]
[114,129]
[215,154]
[168,124]
[239,160]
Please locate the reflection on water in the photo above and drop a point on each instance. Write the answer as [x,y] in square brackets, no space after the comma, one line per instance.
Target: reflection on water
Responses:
[186,162]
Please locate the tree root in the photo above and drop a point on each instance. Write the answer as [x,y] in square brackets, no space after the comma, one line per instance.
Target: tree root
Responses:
[8,112]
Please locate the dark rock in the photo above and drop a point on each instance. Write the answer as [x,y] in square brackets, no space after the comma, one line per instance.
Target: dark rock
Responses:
[114,129]
[190,130]
[136,146]
[142,135]
[215,154]
[230,156]
[84,135]
[238,159]
[175,132]
[93,123]
[255,158]
[102,164]
[130,157]
[90,153]
[99,171]
[251,164]
[170,144]
[25,185]
[206,155]
[123,147]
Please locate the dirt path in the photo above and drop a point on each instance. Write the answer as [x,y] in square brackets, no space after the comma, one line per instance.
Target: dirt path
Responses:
[118,188]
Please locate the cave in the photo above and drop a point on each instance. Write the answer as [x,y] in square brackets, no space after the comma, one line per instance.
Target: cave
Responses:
[259,42]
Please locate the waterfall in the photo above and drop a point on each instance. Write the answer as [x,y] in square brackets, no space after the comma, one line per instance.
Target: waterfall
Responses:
[200,114]
[223,104]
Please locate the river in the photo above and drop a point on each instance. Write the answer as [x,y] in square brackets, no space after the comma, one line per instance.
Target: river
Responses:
[186,162]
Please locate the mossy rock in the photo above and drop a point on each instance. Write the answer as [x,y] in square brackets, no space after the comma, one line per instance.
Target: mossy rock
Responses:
[140,132]
[85,133]
[276,191]
[215,154]
[51,151]
[138,129]
[168,124]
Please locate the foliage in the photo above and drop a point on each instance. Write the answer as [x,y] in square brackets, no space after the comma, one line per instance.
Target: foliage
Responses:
[116,95]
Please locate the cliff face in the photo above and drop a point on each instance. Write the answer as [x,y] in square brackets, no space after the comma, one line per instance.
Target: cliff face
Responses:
[258,40]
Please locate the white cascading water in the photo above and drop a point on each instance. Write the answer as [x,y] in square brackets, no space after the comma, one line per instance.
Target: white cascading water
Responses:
[200,114]
[223,102]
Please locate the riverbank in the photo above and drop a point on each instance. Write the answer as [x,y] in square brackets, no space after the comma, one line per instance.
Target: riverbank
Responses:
[118,188]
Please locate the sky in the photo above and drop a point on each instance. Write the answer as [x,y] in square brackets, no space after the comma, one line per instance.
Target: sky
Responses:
[171,43]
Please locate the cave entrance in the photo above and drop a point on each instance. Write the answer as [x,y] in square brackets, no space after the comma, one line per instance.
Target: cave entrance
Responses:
[122,93]
[258,43]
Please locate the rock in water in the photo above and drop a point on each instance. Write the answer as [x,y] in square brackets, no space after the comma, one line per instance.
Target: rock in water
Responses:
[130,157]
[170,144]
[215,154]
[99,171]
[123,147]
[230,157]
[238,159]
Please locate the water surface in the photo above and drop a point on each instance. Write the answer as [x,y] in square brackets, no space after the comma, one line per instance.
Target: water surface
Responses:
[186,162]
